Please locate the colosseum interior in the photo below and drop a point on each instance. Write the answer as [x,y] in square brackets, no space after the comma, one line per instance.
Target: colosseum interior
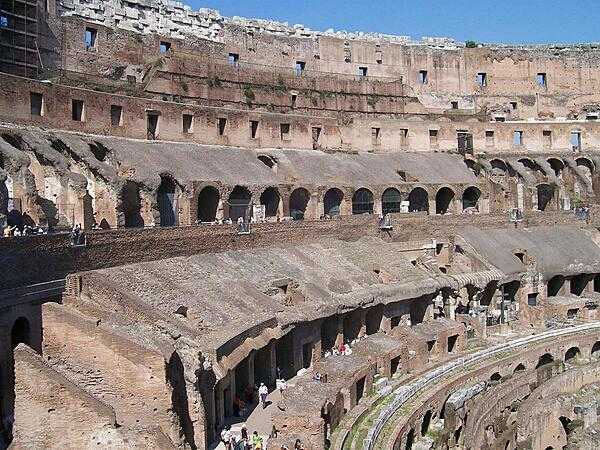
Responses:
[398,238]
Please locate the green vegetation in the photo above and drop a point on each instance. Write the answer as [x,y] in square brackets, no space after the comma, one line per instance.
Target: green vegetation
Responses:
[471,44]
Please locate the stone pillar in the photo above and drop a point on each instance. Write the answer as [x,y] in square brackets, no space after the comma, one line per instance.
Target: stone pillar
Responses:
[340,331]
[450,308]
[363,323]
[377,206]
[386,324]
[251,368]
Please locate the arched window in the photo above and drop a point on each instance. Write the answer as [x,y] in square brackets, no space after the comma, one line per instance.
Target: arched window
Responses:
[332,202]
[418,200]
[270,198]
[471,198]
[362,202]
[572,353]
[520,368]
[21,332]
[545,193]
[167,202]
[499,165]
[443,200]
[239,203]
[390,201]
[545,359]
[208,204]
[298,203]
[557,165]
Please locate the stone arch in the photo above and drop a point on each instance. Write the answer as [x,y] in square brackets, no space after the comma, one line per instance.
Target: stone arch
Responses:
[545,194]
[239,202]
[473,166]
[582,161]
[208,204]
[499,165]
[595,351]
[166,197]
[519,368]
[272,201]
[544,360]
[444,200]
[496,376]
[362,201]
[470,198]
[131,205]
[390,201]
[418,200]
[426,422]
[410,439]
[531,165]
[557,165]
[572,353]
[20,332]
[332,202]
[299,203]
[555,285]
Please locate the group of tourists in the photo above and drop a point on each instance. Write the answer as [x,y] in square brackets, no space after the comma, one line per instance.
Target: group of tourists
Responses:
[244,442]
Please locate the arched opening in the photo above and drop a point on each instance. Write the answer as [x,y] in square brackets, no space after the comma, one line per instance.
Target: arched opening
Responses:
[362,202]
[443,200]
[167,202]
[268,161]
[545,193]
[572,353]
[271,199]
[545,359]
[298,203]
[208,204]
[471,198]
[520,368]
[373,319]
[410,438]
[131,205]
[566,424]
[473,166]
[557,165]
[595,353]
[390,201]
[21,332]
[332,202]
[531,165]
[418,200]
[579,283]
[496,377]
[426,422]
[498,166]
[585,162]
[555,285]
[239,203]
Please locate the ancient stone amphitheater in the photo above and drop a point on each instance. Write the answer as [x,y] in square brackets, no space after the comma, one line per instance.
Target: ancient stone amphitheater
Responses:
[404,231]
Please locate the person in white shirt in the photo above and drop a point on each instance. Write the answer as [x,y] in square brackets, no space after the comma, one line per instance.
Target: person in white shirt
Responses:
[263,391]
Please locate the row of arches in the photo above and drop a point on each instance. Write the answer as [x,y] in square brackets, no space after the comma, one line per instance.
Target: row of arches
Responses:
[240,200]
[363,201]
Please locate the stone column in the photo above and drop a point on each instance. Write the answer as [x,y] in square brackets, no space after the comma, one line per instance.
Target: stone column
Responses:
[363,323]
[340,331]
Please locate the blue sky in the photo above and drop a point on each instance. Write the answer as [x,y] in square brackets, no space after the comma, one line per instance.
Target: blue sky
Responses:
[510,21]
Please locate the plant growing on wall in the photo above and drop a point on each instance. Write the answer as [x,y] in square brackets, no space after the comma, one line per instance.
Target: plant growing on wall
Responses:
[248,93]
[471,44]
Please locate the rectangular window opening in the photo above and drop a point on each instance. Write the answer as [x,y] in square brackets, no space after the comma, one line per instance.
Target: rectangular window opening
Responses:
[482,79]
[116,115]
[316,137]
[542,79]
[433,137]
[576,140]
[37,104]
[253,128]
[152,125]
[518,138]
[284,131]
[164,46]
[465,142]
[90,38]
[77,110]
[375,135]
[422,77]
[362,71]
[233,59]
[532,298]
[489,137]
[547,136]
[188,123]
[454,105]
[514,105]
[300,65]
[221,124]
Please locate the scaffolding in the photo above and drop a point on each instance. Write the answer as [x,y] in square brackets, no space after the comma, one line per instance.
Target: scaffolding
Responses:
[18,37]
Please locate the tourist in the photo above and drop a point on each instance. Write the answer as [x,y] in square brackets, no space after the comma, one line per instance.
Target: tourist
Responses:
[244,433]
[263,391]
[298,445]
[317,376]
[257,442]
[226,438]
